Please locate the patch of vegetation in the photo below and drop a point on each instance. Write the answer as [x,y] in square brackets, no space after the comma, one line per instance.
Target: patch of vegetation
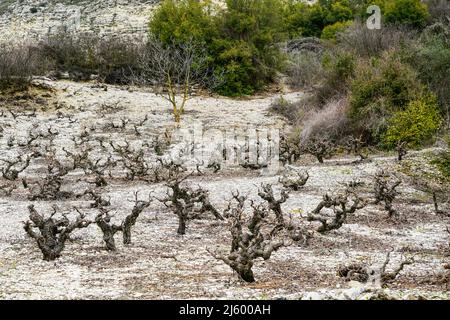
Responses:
[415,124]
[240,38]
[330,32]
[412,13]
[442,161]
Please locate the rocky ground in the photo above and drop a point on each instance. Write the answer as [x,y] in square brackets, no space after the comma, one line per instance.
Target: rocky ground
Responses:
[31,20]
[162,265]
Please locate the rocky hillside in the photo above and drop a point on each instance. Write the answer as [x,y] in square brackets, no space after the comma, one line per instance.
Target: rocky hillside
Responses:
[30,20]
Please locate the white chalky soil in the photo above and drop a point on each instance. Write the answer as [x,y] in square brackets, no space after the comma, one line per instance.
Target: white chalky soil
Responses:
[161,265]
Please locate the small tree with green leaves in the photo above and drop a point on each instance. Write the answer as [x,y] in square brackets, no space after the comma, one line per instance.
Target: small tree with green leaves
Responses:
[414,125]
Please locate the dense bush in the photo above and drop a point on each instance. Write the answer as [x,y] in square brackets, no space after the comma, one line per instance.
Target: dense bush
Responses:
[367,43]
[112,60]
[182,21]
[18,64]
[412,13]
[381,78]
[415,124]
[339,68]
[308,20]
[241,38]
[337,11]
[285,108]
[247,52]
[304,69]
[442,161]
[330,31]
[380,88]
[302,19]
[430,57]
[439,10]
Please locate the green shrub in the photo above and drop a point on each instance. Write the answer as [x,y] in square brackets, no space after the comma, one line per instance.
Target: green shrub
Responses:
[241,39]
[338,11]
[330,32]
[442,161]
[359,8]
[180,21]
[379,89]
[339,68]
[430,58]
[235,66]
[246,53]
[415,124]
[413,13]
[308,20]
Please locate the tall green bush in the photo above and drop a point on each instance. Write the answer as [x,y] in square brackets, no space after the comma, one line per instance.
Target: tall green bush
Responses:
[430,57]
[330,32]
[247,53]
[180,21]
[415,124]
[309,20]
[241,39]
[413,13]
[380,88]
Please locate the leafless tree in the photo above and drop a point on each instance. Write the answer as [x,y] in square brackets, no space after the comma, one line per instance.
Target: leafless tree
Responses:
[35,133]
[182,200]
[402,150]
[294,178]
[165,170]
[290,150]
[113,126]
[98,168]
[17,65]
[98,200]
[162,142]
[249,241]
[49,188]
[177,69]
[266,193]
[356,146]
[297,232]
[342,204]
[385,185]
[109,229]
[133,160]
[321,148]
[53,233]
[130,220]
[354,272]
[8,188]
[232,210]
[438,190]
[14,167]
[244,157]
[374,275]
[80,158]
